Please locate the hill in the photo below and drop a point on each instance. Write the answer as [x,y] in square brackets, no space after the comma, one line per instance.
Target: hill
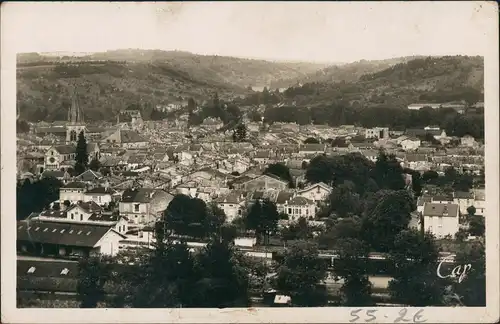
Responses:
[432,79]
[113,80]
[239,71]
[349,72]
[44,90]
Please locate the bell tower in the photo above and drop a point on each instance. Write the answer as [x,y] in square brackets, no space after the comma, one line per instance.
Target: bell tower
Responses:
[76,122]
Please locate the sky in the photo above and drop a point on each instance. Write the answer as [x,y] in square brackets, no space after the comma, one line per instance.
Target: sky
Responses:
[293,31]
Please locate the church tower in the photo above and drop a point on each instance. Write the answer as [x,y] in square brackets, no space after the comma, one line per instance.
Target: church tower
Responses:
[75,123]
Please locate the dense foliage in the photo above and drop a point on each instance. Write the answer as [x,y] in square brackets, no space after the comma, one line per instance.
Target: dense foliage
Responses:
[36,196]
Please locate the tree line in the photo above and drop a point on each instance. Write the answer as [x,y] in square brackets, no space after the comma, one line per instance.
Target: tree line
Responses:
[339,113]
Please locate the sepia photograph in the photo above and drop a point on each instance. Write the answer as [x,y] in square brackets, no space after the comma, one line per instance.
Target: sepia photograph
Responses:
[250,162]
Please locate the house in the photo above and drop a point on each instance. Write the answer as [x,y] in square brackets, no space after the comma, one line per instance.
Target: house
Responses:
[299,207]
[189,188]
[66,239]
[421,201]
[464,200]
[371,155]
[459,107]
[72,192]
[59,175]
[377,132]
[109,218]
[307,149]
[263,156]
[89,176]
[410,144]
[441,219]
[82,211]
[207,177]
[418,106]
[126,139]
[316,192]
[100,195]
[417,132]
[468,141]
[232,204]
[143,206]
[263,182]
[445,199]
[479,203]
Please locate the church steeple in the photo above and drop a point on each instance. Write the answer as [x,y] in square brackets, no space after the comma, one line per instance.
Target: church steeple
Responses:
[75,123]
[75,114]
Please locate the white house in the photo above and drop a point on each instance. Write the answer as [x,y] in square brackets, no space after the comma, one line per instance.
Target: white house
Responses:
[480,204]
[464,200]
[418,106]
[82,211]
[299,207]
[441,219]
[377,132]
[410,144]
[232,204]
[264,182]
[316,192]
[468,140]
[100,195]
[73,192]
[143,206]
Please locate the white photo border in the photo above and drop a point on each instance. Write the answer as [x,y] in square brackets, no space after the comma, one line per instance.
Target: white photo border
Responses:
[487,11]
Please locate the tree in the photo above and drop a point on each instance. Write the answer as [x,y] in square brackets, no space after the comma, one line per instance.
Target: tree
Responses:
[240,133]
[93,272]
[320,170]
[262,217]
[186,216]
[82,157]
[344,202]
[463,182]
[471,211]
[311,140]
[385,216]
[215,219]
[430,176]
[223,279]
[338,230]
[161,278]
[280,170]
[339,142]
[36,196]
[416,183]
[388,173]
[472,289]
[450,174]
[300,272]
[299,230]
[22,126]
[94,165]
[476,225]
[415,257]
[191,105]
[461,235]
[352,266]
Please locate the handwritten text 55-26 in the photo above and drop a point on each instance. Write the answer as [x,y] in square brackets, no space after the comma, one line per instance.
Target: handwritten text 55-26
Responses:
[370,315]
